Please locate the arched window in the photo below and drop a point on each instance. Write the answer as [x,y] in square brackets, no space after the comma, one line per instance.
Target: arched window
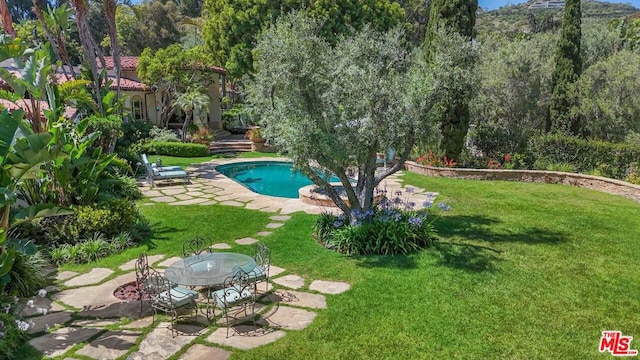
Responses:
[137,108]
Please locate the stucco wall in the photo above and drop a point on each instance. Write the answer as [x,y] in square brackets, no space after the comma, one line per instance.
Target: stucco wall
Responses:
[603,184]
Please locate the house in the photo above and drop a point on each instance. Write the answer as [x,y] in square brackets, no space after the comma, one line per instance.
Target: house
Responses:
[144,100]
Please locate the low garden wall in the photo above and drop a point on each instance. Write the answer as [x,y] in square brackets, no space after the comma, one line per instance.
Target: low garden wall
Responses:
[603,184]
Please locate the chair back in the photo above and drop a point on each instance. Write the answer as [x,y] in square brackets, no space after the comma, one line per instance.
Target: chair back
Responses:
[157,284]
[237,289]
[262,256]
[390,155]
[142,268]
[195,246]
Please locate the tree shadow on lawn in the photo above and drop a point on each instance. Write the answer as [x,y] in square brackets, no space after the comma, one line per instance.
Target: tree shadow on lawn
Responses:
[481,258]
[157,232]
[387,261]
[480,228]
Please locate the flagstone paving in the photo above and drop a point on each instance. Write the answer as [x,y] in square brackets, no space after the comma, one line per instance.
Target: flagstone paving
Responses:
[86,310]
[290,281]
[103,320]
[208,186]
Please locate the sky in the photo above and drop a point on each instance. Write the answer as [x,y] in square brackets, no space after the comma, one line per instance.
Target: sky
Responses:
[494,4]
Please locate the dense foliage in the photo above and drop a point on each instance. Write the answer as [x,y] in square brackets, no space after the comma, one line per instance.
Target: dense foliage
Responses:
[394,226]
[232,27]
[568,66]
[588,156]
[307,91]
[176,149]
[457,16]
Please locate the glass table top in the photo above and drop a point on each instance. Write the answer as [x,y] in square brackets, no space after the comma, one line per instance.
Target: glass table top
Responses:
[208,269]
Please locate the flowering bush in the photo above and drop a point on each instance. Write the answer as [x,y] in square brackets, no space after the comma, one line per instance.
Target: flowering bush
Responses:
[395,226]
[12,330]
[494,164]
[432,160]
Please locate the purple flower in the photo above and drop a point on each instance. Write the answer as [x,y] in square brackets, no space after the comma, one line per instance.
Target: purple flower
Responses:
[337,224]
[428,204]
[444,206]
[416,221]
[398,192]
[410,190]
[411,205]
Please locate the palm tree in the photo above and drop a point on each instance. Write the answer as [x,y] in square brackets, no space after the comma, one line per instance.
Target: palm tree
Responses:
[89,47]
[193,101]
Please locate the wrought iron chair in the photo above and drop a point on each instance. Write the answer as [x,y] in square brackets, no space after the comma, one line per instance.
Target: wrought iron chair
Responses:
[237,293]
[168,298]
[262,257]
[196,246]
[143,270]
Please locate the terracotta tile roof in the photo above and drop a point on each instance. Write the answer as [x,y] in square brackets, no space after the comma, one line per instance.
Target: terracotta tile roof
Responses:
[69,112]
[126,62]
[128,84]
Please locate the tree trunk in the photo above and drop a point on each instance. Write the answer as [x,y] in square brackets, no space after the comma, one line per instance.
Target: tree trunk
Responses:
[185,126]
[7,23]
[88,48]
[110,7]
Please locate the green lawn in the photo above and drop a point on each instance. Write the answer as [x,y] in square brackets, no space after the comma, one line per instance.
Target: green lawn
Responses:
[522,271]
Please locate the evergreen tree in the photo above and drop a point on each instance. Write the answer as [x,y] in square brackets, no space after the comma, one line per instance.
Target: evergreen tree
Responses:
[567,71]
[457,16]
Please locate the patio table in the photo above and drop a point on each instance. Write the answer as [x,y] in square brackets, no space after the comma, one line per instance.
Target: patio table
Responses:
[208,269]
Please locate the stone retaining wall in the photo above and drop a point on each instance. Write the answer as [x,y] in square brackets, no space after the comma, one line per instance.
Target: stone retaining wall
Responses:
[603,184]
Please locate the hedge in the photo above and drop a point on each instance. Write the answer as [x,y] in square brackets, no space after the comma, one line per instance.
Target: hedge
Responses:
[176,149]
[611,159]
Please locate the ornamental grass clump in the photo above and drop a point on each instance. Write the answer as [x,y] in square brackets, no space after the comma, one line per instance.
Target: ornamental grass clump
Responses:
[394,226]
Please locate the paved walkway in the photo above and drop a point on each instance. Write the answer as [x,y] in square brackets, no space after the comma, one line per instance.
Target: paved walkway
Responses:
[81,318]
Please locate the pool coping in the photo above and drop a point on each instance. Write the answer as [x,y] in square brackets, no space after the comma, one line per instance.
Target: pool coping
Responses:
[209,186]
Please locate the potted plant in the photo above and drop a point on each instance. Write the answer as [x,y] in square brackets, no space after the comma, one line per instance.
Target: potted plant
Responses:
[255,135]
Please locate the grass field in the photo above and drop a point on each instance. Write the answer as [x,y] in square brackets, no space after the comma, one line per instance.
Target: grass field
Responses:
[521,271]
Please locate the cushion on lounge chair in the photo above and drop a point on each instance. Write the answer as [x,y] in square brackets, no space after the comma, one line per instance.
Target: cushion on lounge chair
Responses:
[179,296]
[170,174]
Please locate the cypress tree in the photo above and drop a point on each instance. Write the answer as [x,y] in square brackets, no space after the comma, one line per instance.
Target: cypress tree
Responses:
[566,72]
[455,16]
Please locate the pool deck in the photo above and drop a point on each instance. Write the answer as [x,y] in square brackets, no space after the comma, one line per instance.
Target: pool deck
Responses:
[207,186]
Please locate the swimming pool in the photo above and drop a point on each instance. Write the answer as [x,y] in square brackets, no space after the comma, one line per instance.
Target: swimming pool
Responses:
[274,178]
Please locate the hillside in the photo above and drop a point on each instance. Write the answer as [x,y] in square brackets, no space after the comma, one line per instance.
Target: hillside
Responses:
[517,18]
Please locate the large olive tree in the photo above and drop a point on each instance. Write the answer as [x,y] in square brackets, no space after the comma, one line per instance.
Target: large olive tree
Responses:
[334,107]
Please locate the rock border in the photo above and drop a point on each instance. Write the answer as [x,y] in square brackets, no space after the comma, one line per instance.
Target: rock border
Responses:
[610,186]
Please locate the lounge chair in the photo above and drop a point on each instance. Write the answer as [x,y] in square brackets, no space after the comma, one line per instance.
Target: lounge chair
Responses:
[162,173]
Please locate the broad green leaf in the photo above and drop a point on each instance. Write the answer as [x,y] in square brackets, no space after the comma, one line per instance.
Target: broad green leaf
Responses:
[24,246]
[37,211]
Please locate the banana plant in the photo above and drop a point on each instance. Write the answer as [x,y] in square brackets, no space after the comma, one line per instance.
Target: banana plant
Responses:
[22,155]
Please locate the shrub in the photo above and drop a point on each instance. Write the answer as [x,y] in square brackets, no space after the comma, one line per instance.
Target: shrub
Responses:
[27,275]
[110,128]
[11,338]
[121,187]
[157,134]
[395,226]
[108,218]
[90,249]
[611,159]
[177,149]
[134,132]
[432,159]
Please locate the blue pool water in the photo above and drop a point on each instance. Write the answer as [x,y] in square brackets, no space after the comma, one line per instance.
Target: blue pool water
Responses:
[274,178]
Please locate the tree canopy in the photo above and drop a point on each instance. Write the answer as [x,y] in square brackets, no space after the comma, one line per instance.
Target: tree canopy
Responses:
[336,107]
[232,27]
[567,71]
